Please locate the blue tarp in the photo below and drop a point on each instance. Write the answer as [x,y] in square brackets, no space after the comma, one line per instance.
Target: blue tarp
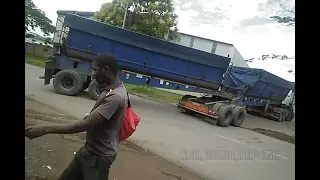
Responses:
[261,84]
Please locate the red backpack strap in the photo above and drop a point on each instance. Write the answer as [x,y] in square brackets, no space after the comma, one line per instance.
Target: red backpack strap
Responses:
[99,101]
[129,104]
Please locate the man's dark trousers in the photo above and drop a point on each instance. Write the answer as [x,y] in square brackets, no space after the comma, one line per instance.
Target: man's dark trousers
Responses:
[88,166]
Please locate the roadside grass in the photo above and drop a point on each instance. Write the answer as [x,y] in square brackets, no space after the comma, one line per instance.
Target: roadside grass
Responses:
[153,93]
[143,91]
[293,137]
[34,60]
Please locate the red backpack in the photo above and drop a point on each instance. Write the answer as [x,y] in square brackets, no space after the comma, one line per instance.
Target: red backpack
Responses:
[129,123]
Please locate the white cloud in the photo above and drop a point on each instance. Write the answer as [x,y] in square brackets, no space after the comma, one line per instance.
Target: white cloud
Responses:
[191,13]
[187,5]
[276,67]
[51,7]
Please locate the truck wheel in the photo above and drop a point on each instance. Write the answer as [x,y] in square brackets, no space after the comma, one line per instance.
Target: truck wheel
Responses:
[290,116]
[233,106]
[94,90]
[238,116]
[187,97]
[67,82]
[217,107]
[225,116]
[280,119]
[86,85]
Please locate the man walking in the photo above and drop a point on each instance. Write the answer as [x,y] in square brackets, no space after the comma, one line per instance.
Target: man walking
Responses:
[93,160]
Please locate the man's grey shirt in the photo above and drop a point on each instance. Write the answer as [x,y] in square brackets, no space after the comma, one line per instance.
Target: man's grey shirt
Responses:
[103,139]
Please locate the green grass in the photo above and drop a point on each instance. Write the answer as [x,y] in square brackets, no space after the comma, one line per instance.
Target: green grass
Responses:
[132,89]
[293,137]
[153,93]
[34,60]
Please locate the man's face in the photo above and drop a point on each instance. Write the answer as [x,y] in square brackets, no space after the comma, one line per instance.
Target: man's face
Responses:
[98,73]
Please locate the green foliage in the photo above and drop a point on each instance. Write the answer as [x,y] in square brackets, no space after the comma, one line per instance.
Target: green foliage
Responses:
[34,17]
[34,60]
[48,41]
[150,17]
[264,57]
[289,21]
[286,20]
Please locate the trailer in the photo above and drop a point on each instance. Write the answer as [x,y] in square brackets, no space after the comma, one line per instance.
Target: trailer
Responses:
[256,91]
[272,90]
[266,95]
[143,60]
[276,109]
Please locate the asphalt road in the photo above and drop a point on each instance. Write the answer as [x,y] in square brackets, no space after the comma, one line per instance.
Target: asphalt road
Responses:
[184,139]
[252,121]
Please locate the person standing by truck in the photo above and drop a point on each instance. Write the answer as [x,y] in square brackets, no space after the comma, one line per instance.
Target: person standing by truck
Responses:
[93,160]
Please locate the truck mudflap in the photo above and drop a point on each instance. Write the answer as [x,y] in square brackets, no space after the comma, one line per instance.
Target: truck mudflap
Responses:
[48,72]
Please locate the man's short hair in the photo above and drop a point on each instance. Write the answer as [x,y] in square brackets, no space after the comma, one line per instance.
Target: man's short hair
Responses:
[103,60]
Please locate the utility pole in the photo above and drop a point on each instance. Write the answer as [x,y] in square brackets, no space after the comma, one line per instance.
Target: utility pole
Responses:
[125,15]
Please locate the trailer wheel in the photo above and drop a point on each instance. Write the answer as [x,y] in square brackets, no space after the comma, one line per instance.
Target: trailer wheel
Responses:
[94,90]
[187,97]
[86,85]
[290,116]
[225,116]
[238,116]
[67,82]
[217,107]
[233,106]
[281,117]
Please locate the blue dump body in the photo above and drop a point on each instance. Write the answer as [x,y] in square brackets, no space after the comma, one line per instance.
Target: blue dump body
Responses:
[258,84]
[166,65]
[142,54]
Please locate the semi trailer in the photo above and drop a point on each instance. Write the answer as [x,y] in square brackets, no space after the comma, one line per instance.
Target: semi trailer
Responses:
[144,60]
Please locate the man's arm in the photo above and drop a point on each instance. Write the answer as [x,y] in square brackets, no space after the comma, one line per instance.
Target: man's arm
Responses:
[104,112]
[91,120]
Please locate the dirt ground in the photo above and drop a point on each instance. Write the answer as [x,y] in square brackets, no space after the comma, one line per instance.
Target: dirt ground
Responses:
[46,157]
[275,134]
[284,131]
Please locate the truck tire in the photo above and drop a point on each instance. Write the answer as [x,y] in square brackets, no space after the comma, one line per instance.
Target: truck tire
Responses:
[187,97]
[281,117]
[86,85]
[94,90]
[233,106]
[67,82]
[217,107]
[290,116]
[225,116]
[238,116]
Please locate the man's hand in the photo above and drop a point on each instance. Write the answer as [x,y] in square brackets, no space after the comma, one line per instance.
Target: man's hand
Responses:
[35,131]
[90,121]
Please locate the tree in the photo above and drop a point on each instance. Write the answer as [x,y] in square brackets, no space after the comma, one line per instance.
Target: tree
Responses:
[150,17]
[34,17]
[272,56]
[286,20]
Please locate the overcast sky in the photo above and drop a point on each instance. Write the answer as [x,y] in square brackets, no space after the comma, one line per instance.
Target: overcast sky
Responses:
[244,23]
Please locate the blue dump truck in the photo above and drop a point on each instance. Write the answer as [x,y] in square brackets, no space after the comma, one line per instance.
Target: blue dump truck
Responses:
[153,62]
